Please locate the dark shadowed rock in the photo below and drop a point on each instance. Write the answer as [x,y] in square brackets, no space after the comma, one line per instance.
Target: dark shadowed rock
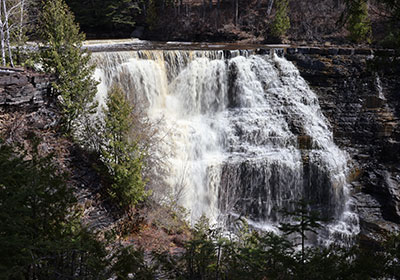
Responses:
[138,32]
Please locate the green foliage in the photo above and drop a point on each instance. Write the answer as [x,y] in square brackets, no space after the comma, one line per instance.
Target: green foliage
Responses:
[261,255]
[151,18]
[281,22]
[392,39]
[131,262]
[302,221]
[392,260]
[120,152]
[254,255]
[40,235]
[122,13]
[359,24]
[106,15]
[62,56]
[90,13]
[200,254]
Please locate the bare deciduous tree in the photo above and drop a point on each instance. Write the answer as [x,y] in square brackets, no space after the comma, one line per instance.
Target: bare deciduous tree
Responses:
[12,24]
[270,5]
[3,53]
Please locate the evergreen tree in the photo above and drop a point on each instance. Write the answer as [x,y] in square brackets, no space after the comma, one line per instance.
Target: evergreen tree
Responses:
[40,233]
[359,24]
[122,13]
[302,221]
[151,18]
[106,16]
[61,55]
[281,22]
[392,257]
[392,39]
[121,153]
[130,262]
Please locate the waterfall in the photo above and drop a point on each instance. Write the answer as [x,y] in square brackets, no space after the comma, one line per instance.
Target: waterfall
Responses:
[245,135]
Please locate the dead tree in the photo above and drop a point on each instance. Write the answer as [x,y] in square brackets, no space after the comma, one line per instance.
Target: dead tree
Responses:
[21,21]
[9,12]
[270,5]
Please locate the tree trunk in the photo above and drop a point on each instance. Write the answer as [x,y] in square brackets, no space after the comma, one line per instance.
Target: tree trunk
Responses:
[3,53]
[236,11]
[21,22]
[270,5]
[218,7]
[7,33]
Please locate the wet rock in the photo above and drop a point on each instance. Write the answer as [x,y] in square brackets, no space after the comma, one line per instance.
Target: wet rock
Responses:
[363,51]
[364,111]
[345,51]
[373,102]
[304,142]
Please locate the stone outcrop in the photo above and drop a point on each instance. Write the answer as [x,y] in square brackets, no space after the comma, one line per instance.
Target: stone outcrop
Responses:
[361,98]
[20,88]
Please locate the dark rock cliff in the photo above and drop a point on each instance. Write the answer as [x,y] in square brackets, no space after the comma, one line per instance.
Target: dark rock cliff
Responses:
[362,103]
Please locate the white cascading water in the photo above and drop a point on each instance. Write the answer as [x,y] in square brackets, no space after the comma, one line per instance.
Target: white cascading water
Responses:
[245,134]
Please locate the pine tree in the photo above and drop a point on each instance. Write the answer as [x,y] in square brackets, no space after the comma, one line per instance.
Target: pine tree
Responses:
[303,221]
[40,232]
[359,24]
[122,13]
[151,18]
[121,153]
[281,22]
[61,55]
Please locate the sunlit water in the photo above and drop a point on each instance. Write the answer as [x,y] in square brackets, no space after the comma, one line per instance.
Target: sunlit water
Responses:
[245,134]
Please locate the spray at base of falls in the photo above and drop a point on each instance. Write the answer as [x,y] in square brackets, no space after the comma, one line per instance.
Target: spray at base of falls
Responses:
[245,135]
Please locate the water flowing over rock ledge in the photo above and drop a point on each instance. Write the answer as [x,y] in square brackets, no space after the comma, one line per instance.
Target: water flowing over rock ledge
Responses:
[245,133]
[363,106]
[134,44]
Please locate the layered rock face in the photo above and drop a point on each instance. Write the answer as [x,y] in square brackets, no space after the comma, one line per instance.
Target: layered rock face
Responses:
[363,106]
[26,105]
[19,88]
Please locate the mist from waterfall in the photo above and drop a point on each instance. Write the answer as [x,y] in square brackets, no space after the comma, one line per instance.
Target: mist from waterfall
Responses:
[244,134]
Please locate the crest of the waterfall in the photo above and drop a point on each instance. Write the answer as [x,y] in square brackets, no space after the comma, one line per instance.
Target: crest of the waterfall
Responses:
[245,135]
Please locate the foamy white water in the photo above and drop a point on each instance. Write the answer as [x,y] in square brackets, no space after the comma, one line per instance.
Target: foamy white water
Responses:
[245,134]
